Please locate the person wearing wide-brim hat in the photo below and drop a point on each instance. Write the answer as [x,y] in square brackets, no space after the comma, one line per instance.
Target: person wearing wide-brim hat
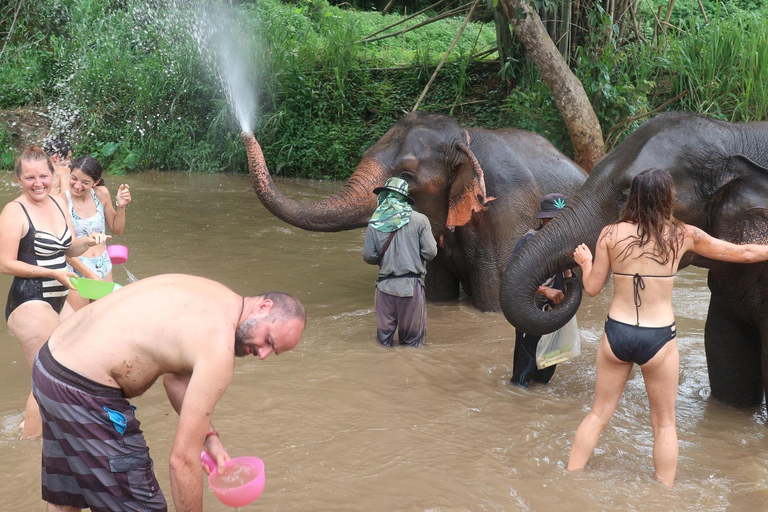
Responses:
[399,240]
[524,367]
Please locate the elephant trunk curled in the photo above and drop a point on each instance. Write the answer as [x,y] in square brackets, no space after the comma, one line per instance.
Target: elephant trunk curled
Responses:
[350,208]
[544,255]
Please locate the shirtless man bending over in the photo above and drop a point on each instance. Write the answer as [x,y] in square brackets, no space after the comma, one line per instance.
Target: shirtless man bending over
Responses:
[185,328]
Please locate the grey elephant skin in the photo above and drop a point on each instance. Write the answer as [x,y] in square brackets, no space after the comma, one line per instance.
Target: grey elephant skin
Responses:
[479,188]
[721,181]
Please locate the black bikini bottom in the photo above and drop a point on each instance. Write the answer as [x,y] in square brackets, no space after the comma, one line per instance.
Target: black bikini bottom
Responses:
[637,344]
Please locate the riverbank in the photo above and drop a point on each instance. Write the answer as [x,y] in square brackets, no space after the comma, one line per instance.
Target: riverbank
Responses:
[129,82]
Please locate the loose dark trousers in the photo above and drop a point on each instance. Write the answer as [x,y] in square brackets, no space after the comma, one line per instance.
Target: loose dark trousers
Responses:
[406,315]
[524,367]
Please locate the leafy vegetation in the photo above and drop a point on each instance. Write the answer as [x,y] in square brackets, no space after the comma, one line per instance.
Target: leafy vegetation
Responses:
[130,83]
[723,66]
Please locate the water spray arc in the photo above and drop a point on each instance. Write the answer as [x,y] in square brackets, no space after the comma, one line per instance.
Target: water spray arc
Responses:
[220,41]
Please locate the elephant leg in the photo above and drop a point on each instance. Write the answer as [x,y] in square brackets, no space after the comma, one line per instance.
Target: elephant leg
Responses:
[441,283]
[733,357]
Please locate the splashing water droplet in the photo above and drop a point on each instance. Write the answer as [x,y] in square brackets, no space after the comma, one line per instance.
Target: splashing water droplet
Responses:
[132,278]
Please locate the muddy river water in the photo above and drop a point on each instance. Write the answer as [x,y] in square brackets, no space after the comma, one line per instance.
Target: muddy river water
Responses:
[346,425]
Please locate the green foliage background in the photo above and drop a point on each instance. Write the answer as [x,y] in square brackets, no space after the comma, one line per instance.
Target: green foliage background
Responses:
[126,81]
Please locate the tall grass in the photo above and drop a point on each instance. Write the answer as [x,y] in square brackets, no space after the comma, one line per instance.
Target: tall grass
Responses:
[724,68]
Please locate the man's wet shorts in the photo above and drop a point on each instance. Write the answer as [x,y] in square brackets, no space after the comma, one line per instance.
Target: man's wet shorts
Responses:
[94,454]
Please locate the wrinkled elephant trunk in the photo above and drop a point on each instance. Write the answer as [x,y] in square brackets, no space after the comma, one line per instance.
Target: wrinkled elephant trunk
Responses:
[350,208]
[547,253]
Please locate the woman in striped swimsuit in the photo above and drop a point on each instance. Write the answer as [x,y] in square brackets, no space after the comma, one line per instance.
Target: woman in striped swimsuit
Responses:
[35,236]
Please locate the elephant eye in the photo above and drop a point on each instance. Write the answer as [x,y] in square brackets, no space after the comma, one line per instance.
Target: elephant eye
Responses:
[409,177]
[621,200]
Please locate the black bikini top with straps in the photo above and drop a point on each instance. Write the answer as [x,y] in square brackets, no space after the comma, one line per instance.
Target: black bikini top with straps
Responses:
[639,284]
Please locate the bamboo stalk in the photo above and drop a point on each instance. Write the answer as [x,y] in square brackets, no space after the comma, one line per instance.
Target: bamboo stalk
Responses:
[669,11]
[633,13]
[658,22]
[446,14]
[10,30]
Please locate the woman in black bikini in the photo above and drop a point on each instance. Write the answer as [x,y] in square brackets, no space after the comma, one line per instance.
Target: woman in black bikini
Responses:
[643,249]
[35,235]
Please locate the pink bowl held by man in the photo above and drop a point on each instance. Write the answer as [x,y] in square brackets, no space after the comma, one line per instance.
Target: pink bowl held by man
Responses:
[240,484]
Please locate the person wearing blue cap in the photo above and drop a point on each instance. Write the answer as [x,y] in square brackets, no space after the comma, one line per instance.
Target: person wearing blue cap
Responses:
[400,241]
[524,368]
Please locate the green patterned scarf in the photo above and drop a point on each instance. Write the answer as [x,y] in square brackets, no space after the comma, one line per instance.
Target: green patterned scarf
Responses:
[392,213]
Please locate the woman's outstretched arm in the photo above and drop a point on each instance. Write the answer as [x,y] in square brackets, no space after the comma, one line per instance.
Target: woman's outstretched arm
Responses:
[708,246]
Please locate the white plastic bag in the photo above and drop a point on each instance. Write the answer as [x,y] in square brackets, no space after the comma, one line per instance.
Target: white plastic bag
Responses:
[559,346]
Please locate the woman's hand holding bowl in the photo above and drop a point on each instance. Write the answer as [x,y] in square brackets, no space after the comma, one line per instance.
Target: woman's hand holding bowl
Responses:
[63,275]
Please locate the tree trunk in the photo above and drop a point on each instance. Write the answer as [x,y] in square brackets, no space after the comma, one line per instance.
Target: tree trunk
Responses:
[569,95]
[503,34]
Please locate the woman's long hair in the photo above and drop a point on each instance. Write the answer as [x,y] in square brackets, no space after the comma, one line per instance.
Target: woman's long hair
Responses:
[649,205]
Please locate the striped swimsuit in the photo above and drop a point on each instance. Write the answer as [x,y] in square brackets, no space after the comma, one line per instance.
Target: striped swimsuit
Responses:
[42,249]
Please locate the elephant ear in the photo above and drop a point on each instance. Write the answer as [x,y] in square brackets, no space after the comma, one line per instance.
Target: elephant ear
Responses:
[741,212]
[467,194]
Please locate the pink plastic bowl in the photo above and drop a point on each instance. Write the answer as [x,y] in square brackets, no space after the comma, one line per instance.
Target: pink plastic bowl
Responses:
[225,486]
[118,254]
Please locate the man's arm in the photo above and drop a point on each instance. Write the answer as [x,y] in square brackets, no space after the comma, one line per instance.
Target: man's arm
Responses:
[175,388]
[370,253]
[427,242]
[195,400]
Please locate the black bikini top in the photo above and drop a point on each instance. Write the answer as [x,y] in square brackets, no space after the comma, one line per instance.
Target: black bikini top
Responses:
[639,284]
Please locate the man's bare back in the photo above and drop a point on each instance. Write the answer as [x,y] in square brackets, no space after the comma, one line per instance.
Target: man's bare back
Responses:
[163,324]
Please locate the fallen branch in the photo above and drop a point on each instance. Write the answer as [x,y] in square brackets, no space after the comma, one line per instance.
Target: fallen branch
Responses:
[446,14]
[406,19]
[704,12]
[445,57]
[483,54]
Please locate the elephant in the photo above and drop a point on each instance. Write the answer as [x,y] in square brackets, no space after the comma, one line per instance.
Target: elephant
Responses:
[721,181]
[479,188]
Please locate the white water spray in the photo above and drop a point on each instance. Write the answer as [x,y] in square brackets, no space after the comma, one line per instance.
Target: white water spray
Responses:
[233,72]
[223,45]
